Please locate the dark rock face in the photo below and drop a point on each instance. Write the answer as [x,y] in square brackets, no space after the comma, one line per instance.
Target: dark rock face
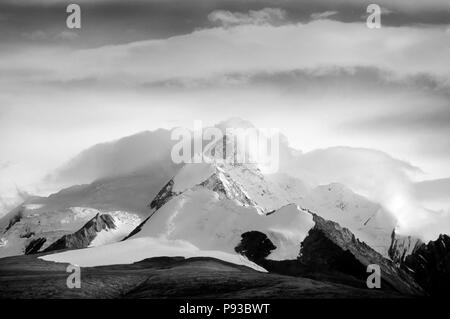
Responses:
[230,191]
[34,246]
[320,259]
[164,195]
[391,276]
[138,228]
[84,236]
[255,246]
[330,253]
[320,253]
[430,266]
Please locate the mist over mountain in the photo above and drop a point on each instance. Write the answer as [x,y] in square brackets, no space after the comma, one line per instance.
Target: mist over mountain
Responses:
[137,203]
[116,158]
[125,172]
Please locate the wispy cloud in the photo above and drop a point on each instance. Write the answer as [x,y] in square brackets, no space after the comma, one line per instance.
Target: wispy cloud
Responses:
[323,15]
[271,16]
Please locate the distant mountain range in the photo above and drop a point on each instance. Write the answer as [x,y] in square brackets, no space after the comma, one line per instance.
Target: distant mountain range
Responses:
[137,204]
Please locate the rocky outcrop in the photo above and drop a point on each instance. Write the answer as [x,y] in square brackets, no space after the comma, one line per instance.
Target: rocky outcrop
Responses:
[84,236]
[138,228]
[402,246]
[430,266]
[164,195]
[222,183]
[219,182]
[330,253]
[320,253]
[255,246]
[391,276]
[34,246]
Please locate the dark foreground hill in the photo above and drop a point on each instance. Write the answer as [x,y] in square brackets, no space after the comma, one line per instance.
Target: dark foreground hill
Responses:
[163,277]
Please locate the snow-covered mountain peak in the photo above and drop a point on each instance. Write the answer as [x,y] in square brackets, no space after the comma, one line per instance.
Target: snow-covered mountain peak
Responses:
[237,141]
[201,217]
[248,187]
[212,205]
[243,183]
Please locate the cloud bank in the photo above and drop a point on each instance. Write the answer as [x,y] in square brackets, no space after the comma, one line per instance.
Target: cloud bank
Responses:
[249,48]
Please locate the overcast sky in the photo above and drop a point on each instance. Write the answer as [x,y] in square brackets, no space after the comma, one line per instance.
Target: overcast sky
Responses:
[311,68]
